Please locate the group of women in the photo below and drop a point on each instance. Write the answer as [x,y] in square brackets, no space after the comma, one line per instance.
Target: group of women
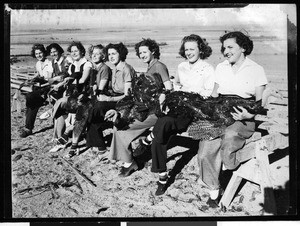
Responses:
[85,95]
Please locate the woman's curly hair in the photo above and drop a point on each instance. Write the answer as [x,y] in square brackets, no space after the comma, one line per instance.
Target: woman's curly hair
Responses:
[79,46]
[92,47]
[39,47]
[241,39]
[119,47]
[204,48]
[54,46]
[151,44]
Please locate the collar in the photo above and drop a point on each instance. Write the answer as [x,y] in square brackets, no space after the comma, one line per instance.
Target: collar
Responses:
[120,66]
[98,66]
[80,62]
[60,60]
[247,62]
[152,63]
[198,64]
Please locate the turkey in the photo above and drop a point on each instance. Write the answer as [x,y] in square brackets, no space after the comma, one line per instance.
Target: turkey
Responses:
[211,115]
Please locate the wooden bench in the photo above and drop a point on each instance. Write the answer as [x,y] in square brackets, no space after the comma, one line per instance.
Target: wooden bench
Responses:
[18,81]
[254,156]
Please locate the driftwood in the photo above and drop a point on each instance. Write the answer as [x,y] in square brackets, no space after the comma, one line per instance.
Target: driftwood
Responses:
[78,172]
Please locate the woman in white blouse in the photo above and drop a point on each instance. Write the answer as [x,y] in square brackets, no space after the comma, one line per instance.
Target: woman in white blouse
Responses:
[35,99]
[193,75]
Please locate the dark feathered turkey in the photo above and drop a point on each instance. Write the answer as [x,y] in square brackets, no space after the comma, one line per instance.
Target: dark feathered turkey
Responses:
[210,116]
[143,99]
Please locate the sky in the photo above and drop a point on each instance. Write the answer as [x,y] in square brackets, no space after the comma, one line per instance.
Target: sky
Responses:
[272,16]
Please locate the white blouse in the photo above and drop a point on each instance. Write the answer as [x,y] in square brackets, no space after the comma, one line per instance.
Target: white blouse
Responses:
[44,69]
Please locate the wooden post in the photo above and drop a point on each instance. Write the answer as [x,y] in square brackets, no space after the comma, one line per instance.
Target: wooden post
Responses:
[16,103]
[266,186]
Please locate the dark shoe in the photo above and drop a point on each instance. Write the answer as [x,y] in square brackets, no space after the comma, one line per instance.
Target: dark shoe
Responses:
[63,139]
[25,132]
[140,149]
[125,172]
[70,154]
[161,188]
[74,151]
[214,203]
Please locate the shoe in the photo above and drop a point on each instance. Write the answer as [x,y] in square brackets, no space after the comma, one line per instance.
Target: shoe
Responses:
[63,139]
[25,132]
[140,149]
[45,115]
[214,203]
[70,154]
[161,188]
[56,148]
[125,172]
[74,151]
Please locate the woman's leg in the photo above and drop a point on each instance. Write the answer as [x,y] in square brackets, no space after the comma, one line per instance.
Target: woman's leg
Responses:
[164,128]
[33,102]
[120,145]
[234,139]
[95,124]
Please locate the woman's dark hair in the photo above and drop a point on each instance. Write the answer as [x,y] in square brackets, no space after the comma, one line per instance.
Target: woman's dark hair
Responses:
[120,48]
[204,48]
[151,44]
[241,39]
[92,47]
[55,46]
[79,46]
[39,47]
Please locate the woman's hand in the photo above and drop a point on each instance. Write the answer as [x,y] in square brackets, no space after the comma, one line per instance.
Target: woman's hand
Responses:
[111,115]
[56,87]
[241,115]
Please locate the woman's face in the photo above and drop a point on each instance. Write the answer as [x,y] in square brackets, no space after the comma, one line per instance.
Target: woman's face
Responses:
[113,56]
[55,54]
[145,54]
[97,55]
[75,53]
[39,55]
[232,51]
[191,51]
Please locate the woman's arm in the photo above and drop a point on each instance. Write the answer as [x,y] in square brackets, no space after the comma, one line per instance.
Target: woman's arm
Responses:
[168,85]
[85,75]
[242,113]
[259,92]
[177,85]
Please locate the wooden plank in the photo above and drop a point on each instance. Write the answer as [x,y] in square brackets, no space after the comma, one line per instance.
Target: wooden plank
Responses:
[18,78]
[230,189]
[16,81]
[24,88]
[273,141]
[23,75]
[274,127]
[265,179]
[278,114]
[265,118]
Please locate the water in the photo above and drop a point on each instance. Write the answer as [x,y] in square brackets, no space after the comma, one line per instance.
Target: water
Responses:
[269,49]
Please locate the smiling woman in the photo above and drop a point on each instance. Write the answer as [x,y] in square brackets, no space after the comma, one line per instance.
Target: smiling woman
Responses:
[249,81]
[35,99]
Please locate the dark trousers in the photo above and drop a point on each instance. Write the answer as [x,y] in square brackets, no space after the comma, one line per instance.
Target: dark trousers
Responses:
[96,124]
[212,154]
[164,128]
[34,101]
